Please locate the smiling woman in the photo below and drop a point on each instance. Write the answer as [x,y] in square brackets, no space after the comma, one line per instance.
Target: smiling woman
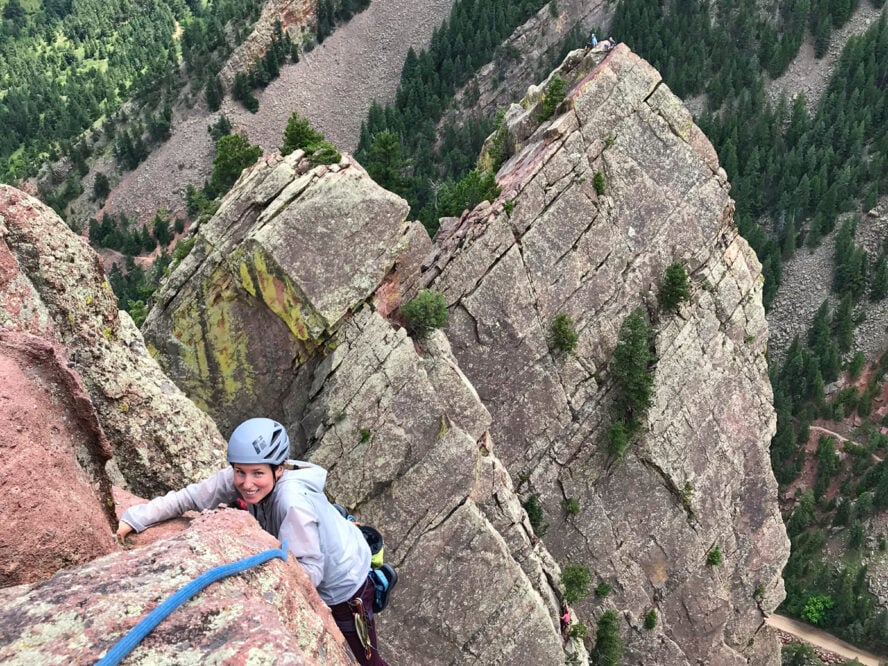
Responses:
[287,499]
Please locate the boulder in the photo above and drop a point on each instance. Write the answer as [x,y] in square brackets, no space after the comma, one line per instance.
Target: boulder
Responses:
[52,284]
[57,503]
[269,614]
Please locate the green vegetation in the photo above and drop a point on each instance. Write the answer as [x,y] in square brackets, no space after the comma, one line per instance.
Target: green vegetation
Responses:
[429,168]
[598,183]
[816,608]
[578,630]
[426,312]
[676,288]
[608,649]
[650,619]
[263,71]
[714,556]
[552,97]
[562,336]
[632,380]
[576,580]
[233,154]
[534,510]
[603,589]
[68,67]
[571,506]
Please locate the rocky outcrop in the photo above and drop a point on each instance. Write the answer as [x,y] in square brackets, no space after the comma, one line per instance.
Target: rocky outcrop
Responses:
[269,614]
[57,503]
[294,274]
[53,286]
[526,56]
[295,16]
[699,475]
[291,251]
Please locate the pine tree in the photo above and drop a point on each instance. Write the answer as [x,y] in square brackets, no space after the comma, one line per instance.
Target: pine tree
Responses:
[675,289]
[633,382]
[299,134]
[608,649]
[233,154]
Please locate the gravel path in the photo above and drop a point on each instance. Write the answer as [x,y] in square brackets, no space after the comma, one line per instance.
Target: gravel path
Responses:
[333,86]
[821,639]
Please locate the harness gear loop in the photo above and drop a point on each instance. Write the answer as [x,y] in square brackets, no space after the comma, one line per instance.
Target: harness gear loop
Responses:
[360,614]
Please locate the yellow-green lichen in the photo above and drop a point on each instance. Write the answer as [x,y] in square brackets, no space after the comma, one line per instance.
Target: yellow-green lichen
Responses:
[279,294]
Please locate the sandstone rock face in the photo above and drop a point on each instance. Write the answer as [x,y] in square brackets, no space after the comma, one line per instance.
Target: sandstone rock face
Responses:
[57,498]
[292,276]
[269,614]
[53,286]
[699,475]
[405,439]
[290,252]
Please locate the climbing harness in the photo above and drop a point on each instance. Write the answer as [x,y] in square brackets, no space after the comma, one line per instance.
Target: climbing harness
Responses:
[129,642]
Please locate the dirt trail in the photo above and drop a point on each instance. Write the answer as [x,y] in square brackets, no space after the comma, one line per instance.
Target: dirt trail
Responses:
[333,86]
[821,639]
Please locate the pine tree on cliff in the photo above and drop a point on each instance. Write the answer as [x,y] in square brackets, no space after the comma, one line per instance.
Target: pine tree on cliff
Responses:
[233,154]
[633,382]
[299,134]
[608,645]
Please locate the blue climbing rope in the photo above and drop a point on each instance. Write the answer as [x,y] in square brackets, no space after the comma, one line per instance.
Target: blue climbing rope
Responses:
[129,642]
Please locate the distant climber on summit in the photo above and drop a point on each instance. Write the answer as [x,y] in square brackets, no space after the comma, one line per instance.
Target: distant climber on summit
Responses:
[593,41]
[287,499]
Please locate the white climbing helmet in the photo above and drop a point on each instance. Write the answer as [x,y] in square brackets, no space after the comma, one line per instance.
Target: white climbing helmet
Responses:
[258,441]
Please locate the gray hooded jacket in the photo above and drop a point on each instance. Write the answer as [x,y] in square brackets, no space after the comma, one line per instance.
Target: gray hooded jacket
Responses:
[331,549]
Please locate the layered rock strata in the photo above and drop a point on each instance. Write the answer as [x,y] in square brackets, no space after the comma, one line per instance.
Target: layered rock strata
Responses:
[557,242]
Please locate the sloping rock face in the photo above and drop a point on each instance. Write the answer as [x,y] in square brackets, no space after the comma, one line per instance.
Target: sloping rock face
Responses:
[699,474]
[293,276]
[291,250]
[269,614]
[57,498]
[52,285]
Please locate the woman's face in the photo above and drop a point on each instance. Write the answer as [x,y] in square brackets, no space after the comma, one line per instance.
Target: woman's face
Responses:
[254,482]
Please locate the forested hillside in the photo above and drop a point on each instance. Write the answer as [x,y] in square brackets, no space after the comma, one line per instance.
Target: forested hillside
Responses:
[65,67]
[402,145]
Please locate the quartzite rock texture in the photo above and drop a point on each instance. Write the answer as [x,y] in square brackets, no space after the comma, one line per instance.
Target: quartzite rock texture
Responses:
[52,285]
[555,241]
[270,614]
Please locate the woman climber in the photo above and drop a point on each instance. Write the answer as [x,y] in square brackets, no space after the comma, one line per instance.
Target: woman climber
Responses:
[289,503]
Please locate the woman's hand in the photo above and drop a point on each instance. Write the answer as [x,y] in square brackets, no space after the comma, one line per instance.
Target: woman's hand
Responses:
[123,529]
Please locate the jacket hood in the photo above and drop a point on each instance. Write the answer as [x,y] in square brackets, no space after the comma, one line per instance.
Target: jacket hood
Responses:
[310,474]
